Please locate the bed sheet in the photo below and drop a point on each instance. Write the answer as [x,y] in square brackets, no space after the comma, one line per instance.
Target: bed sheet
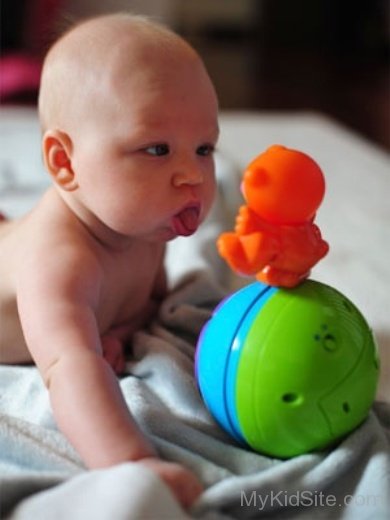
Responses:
[41,476]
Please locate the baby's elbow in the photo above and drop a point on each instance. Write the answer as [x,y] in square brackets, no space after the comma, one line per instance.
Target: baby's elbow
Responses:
[48,372]
[69,366]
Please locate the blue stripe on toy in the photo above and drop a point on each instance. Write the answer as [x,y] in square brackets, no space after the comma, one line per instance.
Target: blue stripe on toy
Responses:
[234,355]
[213,349]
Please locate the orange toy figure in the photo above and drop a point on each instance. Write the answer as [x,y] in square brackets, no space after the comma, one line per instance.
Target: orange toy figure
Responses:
[275,237]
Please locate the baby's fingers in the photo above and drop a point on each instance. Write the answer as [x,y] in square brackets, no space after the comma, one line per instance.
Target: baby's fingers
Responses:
[183,483]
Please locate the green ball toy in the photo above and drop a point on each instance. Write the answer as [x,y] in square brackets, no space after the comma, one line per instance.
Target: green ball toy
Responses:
[287,371]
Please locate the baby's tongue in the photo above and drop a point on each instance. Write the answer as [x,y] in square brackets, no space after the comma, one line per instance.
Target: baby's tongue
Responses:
[186,221]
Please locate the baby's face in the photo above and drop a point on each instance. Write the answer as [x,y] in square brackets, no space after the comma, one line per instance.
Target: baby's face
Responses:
[143,157]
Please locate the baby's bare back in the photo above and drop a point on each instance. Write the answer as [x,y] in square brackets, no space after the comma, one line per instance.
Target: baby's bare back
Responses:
[12,345]
[127,278]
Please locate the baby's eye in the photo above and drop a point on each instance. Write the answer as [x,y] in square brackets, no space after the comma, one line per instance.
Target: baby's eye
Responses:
[205,149]
[157,149]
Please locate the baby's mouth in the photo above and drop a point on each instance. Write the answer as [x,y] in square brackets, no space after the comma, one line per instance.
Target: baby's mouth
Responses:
[187,220]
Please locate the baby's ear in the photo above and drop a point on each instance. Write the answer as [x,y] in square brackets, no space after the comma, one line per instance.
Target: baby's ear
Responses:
[57,149]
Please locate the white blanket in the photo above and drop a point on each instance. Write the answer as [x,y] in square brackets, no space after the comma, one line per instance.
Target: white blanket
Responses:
[40,474]
[43,478]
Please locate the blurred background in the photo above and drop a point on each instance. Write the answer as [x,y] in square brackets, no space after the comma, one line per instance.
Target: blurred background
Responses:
[329,56]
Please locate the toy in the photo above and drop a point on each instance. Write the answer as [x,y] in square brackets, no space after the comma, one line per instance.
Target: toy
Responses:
[275,237]
[290,369]
[287,371]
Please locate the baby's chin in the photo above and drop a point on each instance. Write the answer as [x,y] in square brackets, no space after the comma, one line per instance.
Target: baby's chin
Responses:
[182,224]
[165,234]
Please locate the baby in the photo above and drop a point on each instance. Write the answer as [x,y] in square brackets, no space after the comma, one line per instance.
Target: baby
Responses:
[129,125]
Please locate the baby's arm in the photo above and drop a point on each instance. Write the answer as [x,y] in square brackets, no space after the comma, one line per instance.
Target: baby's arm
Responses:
[56,307]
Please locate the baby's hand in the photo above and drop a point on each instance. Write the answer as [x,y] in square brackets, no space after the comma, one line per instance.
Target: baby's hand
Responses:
[184,485]
[113,353]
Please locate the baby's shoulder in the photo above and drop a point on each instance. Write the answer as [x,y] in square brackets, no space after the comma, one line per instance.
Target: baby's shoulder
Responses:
[57,249]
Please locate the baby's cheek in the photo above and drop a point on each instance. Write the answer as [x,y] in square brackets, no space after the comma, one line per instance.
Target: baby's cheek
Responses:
[210,192]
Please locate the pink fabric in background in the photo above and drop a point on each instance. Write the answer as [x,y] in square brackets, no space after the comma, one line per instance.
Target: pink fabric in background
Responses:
[20,68]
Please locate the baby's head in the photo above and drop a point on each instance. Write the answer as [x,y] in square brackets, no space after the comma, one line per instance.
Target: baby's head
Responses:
[120,89]
[97,56]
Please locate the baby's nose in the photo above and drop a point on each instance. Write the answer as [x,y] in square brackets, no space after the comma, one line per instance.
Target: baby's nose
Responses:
[188,173]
